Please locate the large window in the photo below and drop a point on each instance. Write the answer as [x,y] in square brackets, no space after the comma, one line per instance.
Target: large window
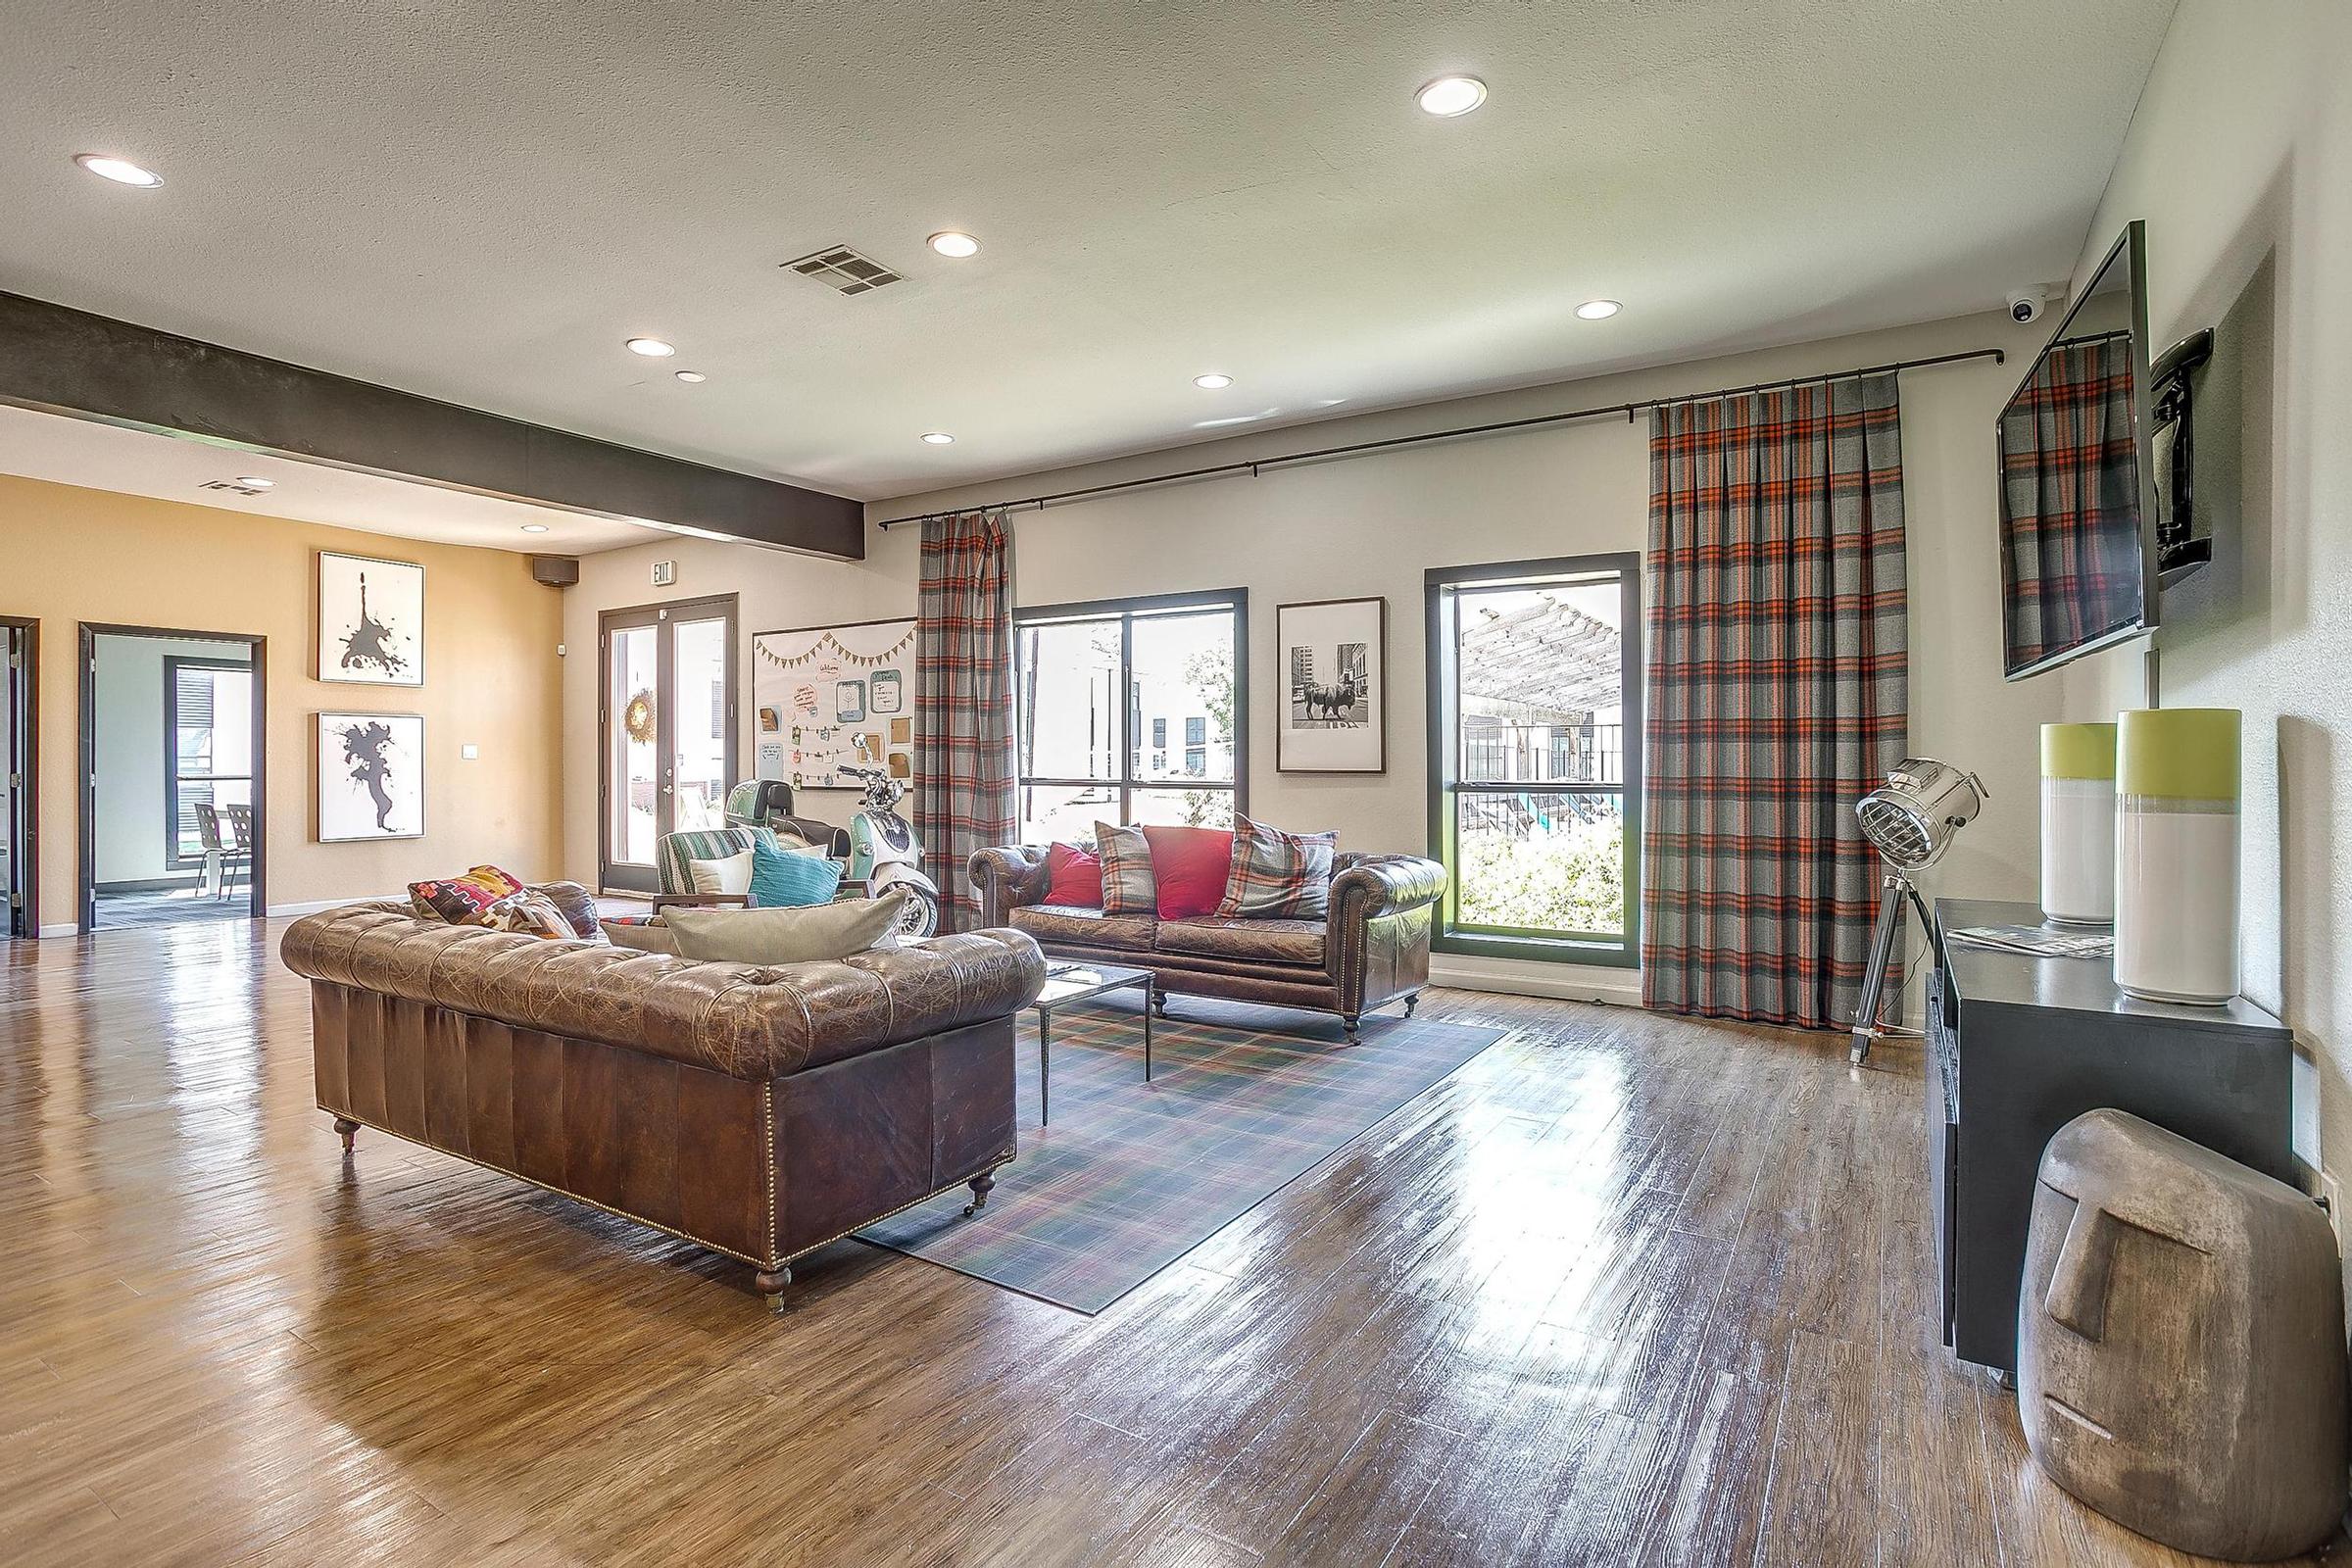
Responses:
[1535,697]
[1098,685]
[208,748]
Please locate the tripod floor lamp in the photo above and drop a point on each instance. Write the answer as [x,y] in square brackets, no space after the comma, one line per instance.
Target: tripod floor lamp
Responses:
[1911,821]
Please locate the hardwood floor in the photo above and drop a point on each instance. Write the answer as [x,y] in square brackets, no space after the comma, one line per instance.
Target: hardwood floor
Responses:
[1626,1289]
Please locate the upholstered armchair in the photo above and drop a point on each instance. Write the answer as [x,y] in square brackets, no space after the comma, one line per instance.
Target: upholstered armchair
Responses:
[1371,949]
[674,850]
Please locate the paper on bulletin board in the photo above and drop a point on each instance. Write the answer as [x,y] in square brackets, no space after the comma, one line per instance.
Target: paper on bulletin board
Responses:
[839,697]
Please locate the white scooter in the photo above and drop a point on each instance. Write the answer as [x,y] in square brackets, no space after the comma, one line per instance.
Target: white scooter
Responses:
[884,855]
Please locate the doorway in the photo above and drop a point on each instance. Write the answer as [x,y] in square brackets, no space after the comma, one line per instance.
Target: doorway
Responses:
[20,774]
[172,804]
[665,732]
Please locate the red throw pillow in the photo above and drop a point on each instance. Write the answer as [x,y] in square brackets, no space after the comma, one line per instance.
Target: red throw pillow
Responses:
[1073,876]
[1190,866]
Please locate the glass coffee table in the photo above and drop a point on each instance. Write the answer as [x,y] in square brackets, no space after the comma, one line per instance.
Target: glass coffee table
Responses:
[1069,985]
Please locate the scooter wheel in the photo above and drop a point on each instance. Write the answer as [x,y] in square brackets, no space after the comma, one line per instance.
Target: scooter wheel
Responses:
[918,911]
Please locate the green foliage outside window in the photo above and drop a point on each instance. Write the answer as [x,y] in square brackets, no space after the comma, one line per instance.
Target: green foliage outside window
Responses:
[1569,879]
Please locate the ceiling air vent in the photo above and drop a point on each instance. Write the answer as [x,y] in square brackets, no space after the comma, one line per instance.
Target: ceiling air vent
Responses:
[845,269]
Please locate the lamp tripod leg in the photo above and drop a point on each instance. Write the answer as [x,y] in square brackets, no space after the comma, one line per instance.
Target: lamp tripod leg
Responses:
[1891,891]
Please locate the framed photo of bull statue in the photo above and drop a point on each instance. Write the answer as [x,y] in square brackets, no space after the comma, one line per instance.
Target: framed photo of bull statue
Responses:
[1333,710]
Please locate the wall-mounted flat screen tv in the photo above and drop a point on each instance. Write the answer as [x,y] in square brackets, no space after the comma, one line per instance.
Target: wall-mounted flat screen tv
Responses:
[2077,478]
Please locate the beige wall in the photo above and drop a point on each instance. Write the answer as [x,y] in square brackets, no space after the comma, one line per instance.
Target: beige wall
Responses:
[70,555]
[2239,158]
[1372,526]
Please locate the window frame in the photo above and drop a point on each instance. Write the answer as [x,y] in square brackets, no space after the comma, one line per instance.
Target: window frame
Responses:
[1125,611]
[1619,950]
[173,663]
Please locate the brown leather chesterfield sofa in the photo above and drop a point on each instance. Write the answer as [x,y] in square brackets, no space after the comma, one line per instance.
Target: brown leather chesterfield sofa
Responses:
[760,1111]
[1372,950]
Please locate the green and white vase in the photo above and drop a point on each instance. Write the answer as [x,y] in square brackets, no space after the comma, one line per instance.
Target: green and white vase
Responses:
[2077,824]
[2176,853]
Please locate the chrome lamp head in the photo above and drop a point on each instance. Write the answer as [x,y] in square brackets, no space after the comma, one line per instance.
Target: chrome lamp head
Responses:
[1913,817]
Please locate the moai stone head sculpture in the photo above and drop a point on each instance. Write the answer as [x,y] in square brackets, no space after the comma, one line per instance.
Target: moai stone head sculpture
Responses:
[2180,1342]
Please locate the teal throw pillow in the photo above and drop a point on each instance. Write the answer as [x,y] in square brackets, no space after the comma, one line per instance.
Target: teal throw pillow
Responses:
[783,880]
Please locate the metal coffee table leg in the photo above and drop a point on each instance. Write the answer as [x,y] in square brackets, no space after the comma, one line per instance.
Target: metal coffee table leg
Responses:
[1148,988]
[1045,1033]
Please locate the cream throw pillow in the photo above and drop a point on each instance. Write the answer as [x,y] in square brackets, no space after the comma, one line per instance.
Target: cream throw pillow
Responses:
[730,875]
[812,935]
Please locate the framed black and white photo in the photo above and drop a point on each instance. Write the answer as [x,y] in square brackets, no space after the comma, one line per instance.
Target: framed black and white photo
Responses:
[371,621]
[1333,715]
[371,776]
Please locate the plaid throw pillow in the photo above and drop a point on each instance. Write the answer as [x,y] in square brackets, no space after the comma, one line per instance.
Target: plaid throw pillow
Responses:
[1128,886]
[1286,876]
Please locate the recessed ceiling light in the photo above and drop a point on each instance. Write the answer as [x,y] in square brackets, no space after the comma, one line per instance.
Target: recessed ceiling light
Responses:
[690,376]
[252,483]
[1213,381]
[948,242]
[1449,96]
[122,170]
[534,527]
[1598,310]
[653,348]
[939,438]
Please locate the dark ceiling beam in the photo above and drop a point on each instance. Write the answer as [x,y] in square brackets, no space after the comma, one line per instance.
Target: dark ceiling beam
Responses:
[63,361]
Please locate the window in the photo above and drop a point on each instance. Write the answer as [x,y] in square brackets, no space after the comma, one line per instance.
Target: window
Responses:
[1535,694]
[1098,685]
[208,748]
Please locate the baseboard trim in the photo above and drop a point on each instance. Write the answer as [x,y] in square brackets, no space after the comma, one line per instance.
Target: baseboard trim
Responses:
[68,929]
[1610,988]
[314,905]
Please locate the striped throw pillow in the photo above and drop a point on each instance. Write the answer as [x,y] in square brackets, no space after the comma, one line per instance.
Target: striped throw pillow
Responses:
[1128,886]
[1277,874]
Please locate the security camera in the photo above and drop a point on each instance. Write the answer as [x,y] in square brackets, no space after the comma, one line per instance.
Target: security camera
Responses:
[2024,307]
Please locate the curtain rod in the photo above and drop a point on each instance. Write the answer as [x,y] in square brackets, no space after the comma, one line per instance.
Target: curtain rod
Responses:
[1256,466]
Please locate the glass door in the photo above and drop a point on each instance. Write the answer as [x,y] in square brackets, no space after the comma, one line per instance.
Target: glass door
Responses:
[667,720]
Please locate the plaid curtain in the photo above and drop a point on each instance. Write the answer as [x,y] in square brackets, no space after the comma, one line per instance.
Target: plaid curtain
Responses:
[2070,516]
[963,702]
[1777,696]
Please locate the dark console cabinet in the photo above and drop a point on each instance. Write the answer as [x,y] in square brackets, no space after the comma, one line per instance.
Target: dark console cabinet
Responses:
[2017,1048]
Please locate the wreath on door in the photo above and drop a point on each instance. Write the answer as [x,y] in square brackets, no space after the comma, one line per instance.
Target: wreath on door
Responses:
[638,718]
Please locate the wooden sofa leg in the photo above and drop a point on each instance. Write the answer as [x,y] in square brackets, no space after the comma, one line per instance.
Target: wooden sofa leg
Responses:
[772,1284]
[980,1186]
[1411,1003]
[349,1129]
[1353,1023]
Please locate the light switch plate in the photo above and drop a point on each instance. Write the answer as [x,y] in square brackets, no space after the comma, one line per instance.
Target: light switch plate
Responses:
[469,751]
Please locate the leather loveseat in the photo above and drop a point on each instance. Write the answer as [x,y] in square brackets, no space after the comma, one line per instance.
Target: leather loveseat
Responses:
[1371,950]
[759,1111]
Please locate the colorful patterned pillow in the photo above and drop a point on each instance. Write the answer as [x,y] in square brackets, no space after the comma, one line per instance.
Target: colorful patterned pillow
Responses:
[461,900]
[528,913]
[1128,887]
[1285,875]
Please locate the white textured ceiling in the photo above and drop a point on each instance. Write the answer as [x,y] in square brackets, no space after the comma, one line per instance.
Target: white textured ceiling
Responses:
[478,201]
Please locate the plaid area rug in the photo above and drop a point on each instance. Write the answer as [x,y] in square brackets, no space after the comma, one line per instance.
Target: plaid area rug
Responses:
[1131,1176]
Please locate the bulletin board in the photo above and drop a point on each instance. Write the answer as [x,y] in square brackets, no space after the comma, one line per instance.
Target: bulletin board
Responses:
[829,697]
